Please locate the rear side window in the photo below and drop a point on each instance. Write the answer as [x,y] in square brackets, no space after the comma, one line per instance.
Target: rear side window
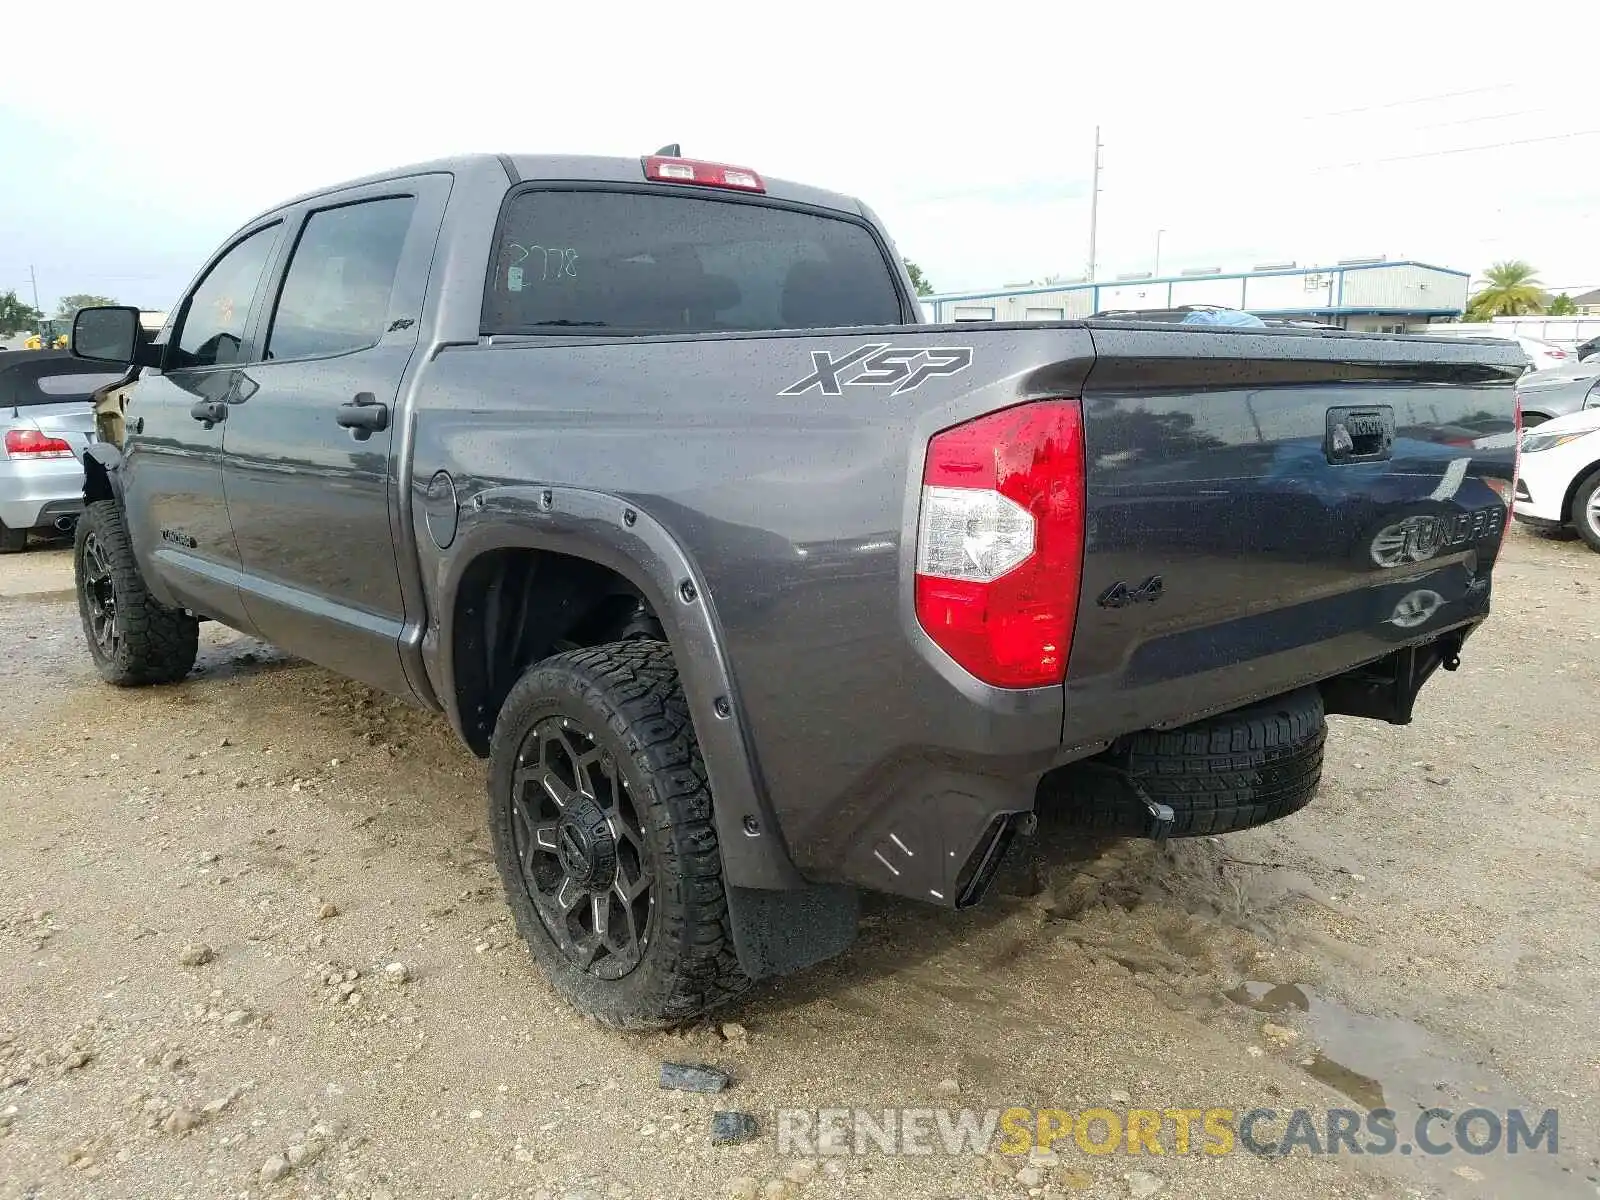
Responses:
[335,296]
[645,262]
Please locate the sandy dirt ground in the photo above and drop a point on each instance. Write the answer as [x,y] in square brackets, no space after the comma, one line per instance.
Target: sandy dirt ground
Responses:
[203,888]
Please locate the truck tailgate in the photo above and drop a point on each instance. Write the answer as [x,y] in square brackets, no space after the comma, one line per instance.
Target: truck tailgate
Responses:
[1264,510]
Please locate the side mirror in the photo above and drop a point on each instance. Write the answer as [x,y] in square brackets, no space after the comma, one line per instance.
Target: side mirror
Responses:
[106,334]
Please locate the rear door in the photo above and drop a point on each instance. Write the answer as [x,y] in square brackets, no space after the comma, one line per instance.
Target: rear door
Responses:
[308,450]
[172,451]
[1265,509]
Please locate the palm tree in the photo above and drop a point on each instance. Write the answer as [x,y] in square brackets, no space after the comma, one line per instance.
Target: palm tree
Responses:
[1510,289]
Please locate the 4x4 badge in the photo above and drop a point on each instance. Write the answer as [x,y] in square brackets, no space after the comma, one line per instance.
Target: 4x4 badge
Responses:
[1120,595]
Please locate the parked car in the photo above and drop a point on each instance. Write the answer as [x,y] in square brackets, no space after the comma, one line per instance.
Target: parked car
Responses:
[753,590]
[46,421]
[1558,477]
[1557,391]
[1538,353]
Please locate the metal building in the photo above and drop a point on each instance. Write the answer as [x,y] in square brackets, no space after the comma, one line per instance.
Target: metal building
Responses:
[1367,295]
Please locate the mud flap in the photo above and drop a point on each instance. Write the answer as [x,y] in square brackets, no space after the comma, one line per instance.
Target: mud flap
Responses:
[780,932]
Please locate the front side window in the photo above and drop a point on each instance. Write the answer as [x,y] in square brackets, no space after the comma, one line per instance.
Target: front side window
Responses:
[335,296]
[214,326]
[632,262]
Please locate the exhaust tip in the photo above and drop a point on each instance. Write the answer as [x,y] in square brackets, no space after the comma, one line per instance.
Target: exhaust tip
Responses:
[66,524]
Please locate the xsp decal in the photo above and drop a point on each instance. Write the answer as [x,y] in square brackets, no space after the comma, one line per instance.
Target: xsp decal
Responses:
[880,365]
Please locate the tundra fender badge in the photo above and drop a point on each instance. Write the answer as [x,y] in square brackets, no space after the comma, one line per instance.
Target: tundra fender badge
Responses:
[1120,595]
[879,364]
[178,538]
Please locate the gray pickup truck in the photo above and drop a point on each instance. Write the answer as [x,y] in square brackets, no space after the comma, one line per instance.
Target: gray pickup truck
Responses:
[754,591]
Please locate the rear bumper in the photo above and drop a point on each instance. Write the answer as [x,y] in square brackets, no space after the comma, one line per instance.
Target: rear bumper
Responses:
[1539,499]
[35,495]
[1543,524]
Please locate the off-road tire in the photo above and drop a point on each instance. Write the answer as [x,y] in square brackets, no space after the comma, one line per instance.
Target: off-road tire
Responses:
[628,698]
[1581,520]
[1223,773]
[155,644]
[12,541]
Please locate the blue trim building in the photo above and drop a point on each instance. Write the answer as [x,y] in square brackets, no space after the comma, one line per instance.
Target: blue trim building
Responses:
[1388,297]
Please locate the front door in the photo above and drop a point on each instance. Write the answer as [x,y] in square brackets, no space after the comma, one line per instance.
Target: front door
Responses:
[174,421]
[307,453]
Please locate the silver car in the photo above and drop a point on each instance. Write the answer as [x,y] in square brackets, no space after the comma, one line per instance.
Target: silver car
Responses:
[1557,391]
[46,422]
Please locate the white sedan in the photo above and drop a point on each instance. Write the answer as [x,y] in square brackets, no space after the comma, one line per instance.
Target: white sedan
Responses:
[1558,476]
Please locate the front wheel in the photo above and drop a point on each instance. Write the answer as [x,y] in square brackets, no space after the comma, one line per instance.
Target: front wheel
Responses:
[133,638]
[1586,510]
[601,819]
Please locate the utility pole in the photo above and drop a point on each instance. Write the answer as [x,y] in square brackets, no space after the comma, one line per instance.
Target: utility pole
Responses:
[1094,203]
[1157,271]
[34,279]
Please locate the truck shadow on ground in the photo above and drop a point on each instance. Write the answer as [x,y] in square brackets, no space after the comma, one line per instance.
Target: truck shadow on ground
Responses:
[1064,899]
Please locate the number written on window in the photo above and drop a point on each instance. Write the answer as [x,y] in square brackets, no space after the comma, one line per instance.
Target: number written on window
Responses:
[544,264]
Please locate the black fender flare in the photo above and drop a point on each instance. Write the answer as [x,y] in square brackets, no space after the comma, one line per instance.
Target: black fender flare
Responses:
[102,473]
[617,534]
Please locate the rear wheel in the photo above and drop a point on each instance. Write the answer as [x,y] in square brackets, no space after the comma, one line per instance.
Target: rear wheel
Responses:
[1586,510]
[133,638]
[601,819]
[12,541]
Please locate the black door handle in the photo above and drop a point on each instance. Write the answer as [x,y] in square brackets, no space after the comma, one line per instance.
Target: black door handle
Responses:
[363,415]
[209,411]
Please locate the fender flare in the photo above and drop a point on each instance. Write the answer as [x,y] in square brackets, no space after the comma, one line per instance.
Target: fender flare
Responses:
[619,535]
[102,472]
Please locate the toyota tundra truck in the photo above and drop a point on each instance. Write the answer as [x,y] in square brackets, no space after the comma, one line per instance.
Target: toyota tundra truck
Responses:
[753,590]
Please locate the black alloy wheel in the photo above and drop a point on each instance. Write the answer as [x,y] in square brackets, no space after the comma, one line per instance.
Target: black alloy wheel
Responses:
[100,597]
[601,817]
[580,841]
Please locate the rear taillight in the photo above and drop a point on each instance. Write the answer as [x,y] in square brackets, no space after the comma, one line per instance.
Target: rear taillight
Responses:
[1516,460]
[660,169]
[1506,489]
[30,443]
[1000,542]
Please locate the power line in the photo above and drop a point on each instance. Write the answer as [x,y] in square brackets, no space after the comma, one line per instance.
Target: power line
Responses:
[1346,112]
[1365,162]
[1496,116]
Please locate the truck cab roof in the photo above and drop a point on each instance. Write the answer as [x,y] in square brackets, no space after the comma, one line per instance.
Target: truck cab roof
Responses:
[574,168]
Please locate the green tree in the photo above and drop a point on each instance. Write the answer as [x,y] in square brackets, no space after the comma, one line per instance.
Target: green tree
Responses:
[918,279]
[17,317]
[1562,306]
[1511,289]
[69,306]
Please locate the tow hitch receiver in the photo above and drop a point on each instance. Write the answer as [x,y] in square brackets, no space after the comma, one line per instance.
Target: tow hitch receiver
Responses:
[1386,690]
[1145,816]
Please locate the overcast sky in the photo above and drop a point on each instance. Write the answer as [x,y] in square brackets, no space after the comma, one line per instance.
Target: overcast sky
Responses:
[134,137]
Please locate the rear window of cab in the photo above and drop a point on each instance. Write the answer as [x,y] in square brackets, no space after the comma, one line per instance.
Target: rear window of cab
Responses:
[643,262]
